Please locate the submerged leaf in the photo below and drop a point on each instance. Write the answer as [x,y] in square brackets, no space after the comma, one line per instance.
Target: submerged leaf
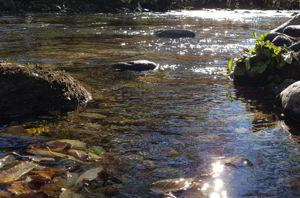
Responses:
[89,175]
[69,194]
[7,160]
[82,155]
[172,185]
[98,150]
[49,153]
[19,188]
[58,146]
[76,144]
[16,172]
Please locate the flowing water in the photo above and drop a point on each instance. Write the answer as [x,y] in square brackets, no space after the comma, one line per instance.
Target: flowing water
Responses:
[179,121]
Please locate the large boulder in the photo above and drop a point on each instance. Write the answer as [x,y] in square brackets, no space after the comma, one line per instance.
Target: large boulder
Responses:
[175,34]
[293,21]
[290,101]
[138,65]
[292,30]
[31,92]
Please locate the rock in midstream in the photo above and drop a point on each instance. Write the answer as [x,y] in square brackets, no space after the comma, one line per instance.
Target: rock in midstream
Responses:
[32,91]
[175,34]
[138,65]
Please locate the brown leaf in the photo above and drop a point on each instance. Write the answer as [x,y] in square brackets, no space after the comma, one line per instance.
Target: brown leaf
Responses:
[82,155]
[19,188]
[58,146]
[16,172]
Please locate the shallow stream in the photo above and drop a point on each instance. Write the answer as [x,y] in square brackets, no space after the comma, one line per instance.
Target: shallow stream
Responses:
[179,121]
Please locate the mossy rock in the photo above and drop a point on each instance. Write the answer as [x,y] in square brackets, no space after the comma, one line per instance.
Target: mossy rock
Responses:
[27,92]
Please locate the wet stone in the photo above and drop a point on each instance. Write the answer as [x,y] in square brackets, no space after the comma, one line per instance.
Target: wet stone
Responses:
[175,34]
[282,40]
[293,30]
[34,91]
[138,65]
[295,47]
[290,101]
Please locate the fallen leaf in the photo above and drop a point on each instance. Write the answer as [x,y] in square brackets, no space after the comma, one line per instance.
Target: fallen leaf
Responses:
[4,194]
[49,153]
[7,160]
[58,146]
[172,185]
[89,175]
[19,188]
[16,172]
[69,194]
[82,155]
[75,144]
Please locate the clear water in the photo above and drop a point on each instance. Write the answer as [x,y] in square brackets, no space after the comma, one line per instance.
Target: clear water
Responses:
[181,120]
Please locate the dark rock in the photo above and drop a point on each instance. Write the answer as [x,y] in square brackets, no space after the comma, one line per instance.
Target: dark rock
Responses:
[270,37]
[290,101]
[279,88]
[292,30]
[31,92]
[138,65]
[282,40]
[293,21]
[295,47]
[175,34]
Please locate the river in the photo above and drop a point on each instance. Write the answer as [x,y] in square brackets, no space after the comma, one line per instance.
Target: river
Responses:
[179,121]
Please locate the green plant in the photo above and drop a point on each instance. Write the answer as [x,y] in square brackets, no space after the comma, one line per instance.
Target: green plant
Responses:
[264,57]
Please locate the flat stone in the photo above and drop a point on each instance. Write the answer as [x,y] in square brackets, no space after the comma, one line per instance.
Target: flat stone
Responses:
[138,65]
[175,34]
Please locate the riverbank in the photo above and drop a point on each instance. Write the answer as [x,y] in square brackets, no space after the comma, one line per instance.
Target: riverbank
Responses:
[93,6]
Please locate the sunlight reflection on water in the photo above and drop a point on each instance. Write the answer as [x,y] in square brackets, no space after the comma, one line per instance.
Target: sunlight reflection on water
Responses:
[234,15]
[215,188]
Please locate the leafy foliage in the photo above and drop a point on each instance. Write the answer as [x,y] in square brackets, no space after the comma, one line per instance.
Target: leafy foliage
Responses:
[264,57]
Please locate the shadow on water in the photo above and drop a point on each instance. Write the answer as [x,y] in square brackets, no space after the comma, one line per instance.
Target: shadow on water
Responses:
[184,120]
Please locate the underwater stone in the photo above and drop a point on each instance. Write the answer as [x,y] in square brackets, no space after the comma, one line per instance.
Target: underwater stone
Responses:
[175,34]
[138,65]
[30,92]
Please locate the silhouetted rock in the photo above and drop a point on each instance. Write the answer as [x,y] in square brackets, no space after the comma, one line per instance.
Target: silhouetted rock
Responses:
[270,37]
[175,34]
[138,65]
[30,92]
[293,21]
[282,40]
[293,30]
[295,47]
